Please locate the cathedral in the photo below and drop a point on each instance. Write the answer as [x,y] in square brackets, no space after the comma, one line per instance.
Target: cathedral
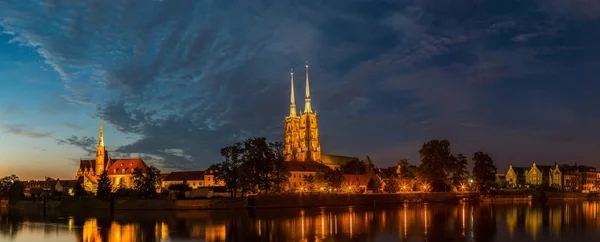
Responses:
[301,132]
[119,171]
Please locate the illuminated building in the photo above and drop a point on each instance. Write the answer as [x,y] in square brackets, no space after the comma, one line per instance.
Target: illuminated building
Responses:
[302,132]
[120,171]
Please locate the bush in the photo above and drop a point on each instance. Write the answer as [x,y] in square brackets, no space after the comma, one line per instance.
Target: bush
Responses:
[180,195]
[180,187]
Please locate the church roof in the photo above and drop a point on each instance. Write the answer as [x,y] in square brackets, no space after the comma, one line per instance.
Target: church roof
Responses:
[189,175]
[335,160]
[126,166]
[87,165]
[68,183]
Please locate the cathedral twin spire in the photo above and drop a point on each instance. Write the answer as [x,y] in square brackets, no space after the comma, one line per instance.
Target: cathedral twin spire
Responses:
[307,106]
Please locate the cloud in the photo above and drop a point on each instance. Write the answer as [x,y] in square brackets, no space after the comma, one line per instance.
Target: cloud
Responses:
[88,144]
[24,131]
[582,9]
[72,126]
[188,79]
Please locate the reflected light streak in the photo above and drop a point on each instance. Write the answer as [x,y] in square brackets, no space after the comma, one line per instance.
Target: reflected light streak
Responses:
[302,224]
[463,220]
[351,217]
[336,219]
[259,228]
[71,222]
[471,224]
[322,224]
[405,230]
[425,215]
[330,224]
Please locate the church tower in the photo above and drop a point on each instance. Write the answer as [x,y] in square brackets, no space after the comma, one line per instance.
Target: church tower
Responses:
[291,147]
[310,147]
[100,153]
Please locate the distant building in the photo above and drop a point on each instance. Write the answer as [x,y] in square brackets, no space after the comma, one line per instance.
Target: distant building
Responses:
[515,177]
[209,177]
[119,171]
[501,180]
[589,178]
[194,179]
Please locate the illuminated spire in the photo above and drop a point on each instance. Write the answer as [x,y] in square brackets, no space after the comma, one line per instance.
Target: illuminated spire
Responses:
[307,107]
[292,99]
[101,139]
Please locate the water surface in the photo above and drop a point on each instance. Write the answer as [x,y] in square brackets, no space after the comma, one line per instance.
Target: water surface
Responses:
[579,221]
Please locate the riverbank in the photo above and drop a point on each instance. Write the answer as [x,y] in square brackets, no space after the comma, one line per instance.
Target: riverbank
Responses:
[295,201]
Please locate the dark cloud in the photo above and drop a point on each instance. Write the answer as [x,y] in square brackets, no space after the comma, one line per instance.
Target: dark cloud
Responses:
[88,144]
[24,131]
[385,76]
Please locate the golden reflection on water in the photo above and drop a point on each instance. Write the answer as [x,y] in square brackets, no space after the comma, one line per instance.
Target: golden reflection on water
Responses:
[415,222]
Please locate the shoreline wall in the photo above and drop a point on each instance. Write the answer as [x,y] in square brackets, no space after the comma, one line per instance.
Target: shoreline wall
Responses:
[276,201]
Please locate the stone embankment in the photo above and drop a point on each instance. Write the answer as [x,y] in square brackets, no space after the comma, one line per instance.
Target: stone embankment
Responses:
[287,201]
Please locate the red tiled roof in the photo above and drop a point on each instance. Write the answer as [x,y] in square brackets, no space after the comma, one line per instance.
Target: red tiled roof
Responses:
[126,166]
[189,175]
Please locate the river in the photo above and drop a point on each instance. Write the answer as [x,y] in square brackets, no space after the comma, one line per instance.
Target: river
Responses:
[574,221]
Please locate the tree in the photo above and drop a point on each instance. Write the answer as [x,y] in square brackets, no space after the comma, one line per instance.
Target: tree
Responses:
[310,182]
[404,172]
[374,185]
[354,166]
[459,169]
[6,184]
[391,186]
[180,187]
[231,168]
[484,170]
[146,183]
[436,161]
[79,190]
[281,172]
[333,179]
[263,164]
[104,186]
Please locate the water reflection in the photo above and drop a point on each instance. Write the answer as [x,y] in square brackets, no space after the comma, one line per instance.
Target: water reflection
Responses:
[426,222]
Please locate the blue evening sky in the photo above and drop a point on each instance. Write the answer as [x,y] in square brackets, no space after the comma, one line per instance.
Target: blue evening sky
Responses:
[174,81]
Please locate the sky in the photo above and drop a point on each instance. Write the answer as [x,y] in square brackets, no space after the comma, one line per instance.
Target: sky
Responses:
[175,81]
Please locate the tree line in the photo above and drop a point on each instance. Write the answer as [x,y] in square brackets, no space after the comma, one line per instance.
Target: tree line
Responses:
[258,166]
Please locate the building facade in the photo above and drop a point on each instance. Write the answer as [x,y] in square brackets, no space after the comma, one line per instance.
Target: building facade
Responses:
[515,177]
[119,171]
[561,177]
[533,176]
[194,179]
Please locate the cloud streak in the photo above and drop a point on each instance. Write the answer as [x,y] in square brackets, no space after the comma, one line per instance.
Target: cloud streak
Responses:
[25,131]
